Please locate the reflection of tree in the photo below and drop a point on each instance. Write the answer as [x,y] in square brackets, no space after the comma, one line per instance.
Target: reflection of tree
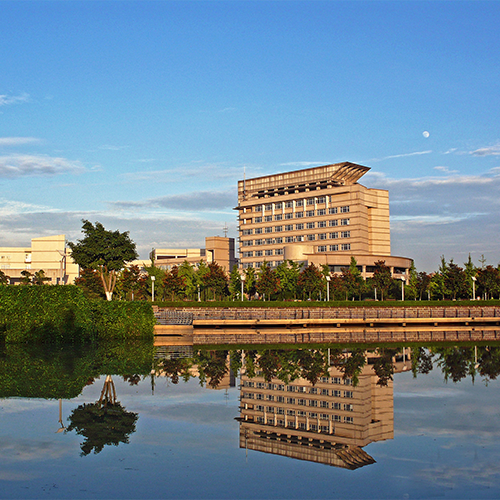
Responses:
[456,362]
[421,360]
[383,365]
[102,423]
[212,366]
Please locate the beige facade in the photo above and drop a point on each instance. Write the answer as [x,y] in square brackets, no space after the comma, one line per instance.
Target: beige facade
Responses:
[329,422]
[47,253]
[318,215]
[217,249]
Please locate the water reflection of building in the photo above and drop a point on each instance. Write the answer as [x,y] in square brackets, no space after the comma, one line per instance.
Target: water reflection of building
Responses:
[328,423]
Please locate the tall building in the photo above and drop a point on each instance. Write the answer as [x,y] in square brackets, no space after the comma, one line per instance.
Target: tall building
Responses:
[318,216]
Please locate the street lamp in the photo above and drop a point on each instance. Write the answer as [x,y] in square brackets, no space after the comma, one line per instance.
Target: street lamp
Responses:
[242,285]
[474,287]
[328,288]
[403,289]
[153,278]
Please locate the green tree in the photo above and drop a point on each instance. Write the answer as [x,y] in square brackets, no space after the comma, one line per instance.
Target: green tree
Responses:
[90,282]
[216,280]
[311,282]
[26,278]
[39,278]
[438,284]
[173,284]
[423,283]
[411,290]
[382,278]
[235,283]
[287,273]
[267,282]
[250,280]
[131,283]
[105,251]
[455,281]
[352,280]
[188,273]
[488,281]
[4,279]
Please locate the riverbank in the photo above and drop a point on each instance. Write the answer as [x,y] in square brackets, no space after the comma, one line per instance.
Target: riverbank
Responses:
[235,325]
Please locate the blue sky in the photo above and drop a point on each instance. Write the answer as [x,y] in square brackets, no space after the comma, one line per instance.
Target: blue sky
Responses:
[142,115]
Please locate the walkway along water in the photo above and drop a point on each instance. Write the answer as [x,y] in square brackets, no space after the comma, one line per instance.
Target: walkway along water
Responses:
[321,325]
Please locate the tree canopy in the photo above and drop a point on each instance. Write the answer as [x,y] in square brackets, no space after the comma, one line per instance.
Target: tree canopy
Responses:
[105,251]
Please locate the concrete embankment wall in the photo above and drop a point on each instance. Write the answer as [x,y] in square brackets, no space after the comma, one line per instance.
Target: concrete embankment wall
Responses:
[337,324]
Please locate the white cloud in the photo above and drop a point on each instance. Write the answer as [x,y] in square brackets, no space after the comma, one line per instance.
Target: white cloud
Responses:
[403,155]
[446,170]
[488,151]
[18,165]
[18,141]
[13,99]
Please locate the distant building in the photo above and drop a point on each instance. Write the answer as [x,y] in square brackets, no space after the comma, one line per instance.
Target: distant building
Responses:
[47,253]
[217,249]
[316,216]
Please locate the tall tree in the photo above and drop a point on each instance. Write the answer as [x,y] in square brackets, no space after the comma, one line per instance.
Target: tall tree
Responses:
[216,280]
[267,281]
[4,279]
[39,278]
[382,278]
[26,277]
[311,281]
[174,285]
[105,251]
[455,281]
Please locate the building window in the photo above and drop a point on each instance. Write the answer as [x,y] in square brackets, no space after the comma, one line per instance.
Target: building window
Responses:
[332,210]
[299,227]
[344,210]
[269,206]
[258,230]
[348,394]
[299,215]
[269,241]
[246,232]
[278,229]
[336,394]
[324,404]
[289,227]
[291,413]
[346,246]
[277,206]
[313,414]
[345,222]
[290,401]
[247,265]
[322,248]
[247,243]
[247,254]
[333,236]
[311,237]
[299,203]
[268,218]
[299,238]
[310,213]
[279,251]
[278,217]
[321,211]
[257,220]
[289,216]
[333,223]
[258,265]
[336,418]
[278,241]
[289,204]
[336,406]
[345,234]
[268,230]
[310,201]
[258,253]
[321,199]
[322,223]
[288,239]
[311,225]
[257,208]
[348,420]
[269,252]
[322,236]
[348,407]
[259,242]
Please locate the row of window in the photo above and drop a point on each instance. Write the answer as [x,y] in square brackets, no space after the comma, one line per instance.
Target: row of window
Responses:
[334,248]
[304,425]
[297,388]
[302,413]
[300,401]
[297,227]
[299,238]
[294,215]
[299,203]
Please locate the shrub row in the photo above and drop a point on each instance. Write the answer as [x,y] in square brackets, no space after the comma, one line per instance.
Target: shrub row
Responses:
[62,314]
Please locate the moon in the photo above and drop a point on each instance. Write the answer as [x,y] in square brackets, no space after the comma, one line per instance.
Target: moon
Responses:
[425,134]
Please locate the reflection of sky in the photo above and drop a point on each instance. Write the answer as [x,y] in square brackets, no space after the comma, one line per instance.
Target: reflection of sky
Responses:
[186,445]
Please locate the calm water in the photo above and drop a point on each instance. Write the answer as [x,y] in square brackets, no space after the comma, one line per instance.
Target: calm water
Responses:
[420,437]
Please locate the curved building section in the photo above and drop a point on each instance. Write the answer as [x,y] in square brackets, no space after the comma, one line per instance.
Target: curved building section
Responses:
[319,215]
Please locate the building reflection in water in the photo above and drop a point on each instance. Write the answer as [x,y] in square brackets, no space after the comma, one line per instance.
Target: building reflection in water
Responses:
[329,422]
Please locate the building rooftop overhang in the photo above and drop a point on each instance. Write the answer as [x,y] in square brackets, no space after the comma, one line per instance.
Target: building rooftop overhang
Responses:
[338,174]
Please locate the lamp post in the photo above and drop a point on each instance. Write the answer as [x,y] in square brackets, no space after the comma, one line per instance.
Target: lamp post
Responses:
[328,288]
[403,289]
[242,286]
[153,278]
[474,287]
[199,297]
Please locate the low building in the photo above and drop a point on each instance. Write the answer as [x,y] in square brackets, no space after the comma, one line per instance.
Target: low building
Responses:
[319,215]
[47,253]
[217,249]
